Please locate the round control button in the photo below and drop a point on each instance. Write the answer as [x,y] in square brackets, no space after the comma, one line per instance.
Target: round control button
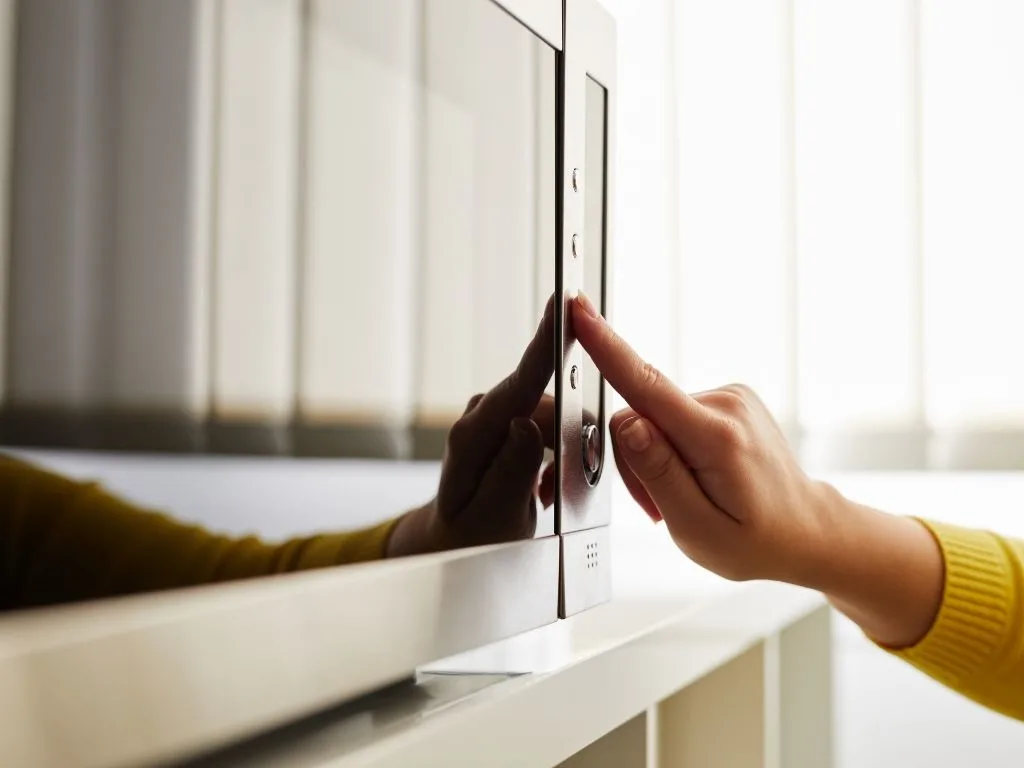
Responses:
[591,451]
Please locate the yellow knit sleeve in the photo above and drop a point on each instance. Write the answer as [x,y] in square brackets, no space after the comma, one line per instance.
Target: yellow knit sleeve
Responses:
[976,645]
[63,540]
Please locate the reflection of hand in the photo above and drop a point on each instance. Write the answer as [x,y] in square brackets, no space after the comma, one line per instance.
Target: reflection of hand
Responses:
[489,476]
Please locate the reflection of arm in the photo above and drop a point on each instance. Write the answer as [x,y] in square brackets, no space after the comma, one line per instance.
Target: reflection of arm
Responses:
[62,540]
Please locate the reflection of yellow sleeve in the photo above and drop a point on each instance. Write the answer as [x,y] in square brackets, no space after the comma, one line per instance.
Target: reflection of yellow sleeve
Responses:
[62,540]
[976,645]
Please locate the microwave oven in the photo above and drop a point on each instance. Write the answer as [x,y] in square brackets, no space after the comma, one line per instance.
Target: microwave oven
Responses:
[261,255]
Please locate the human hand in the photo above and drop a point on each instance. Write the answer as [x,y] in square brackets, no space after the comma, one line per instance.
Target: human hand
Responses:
[719,471]
[715,466]
[489,490]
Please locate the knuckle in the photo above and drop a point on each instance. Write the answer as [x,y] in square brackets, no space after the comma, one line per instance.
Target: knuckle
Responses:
[734,439]
[715,398]
[649,376]
[508,384]
[513,388]
[749,396]
[734,403]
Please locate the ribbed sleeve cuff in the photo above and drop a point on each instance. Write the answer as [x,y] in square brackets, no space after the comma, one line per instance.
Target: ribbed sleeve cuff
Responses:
[973,623]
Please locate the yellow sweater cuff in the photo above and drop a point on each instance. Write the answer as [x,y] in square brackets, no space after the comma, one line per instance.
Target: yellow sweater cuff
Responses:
[347,548]
[972,627]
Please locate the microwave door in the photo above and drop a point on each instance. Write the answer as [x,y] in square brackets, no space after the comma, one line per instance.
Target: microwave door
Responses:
[313,231]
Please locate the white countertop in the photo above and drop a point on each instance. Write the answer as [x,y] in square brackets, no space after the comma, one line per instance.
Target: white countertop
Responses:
[609,665]
[671,623]
[68,679]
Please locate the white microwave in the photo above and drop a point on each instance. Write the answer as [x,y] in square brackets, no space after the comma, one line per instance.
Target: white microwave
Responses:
[274,246]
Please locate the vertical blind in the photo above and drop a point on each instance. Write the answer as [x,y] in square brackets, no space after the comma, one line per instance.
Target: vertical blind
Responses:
[276,225]
[846,233]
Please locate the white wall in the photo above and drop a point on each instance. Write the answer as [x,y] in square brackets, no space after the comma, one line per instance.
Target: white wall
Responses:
[644,202]
[889,715]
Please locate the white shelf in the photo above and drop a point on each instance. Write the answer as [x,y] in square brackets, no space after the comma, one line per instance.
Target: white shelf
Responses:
[603,669]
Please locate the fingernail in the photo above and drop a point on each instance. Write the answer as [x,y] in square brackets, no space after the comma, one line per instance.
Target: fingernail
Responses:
[520,426]
[586,304]
[636,435]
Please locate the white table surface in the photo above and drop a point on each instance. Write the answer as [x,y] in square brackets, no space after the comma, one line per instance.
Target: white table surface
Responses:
[610,664]
[659,593]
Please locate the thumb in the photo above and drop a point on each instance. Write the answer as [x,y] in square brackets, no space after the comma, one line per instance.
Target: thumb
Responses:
[688,513]
[629,478]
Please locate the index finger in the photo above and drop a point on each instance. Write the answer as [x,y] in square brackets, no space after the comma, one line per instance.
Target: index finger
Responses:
[642,386]
[521,391]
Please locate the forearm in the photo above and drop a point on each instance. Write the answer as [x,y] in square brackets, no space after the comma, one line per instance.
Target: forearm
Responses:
[63,541]
[884,572]
[945,599]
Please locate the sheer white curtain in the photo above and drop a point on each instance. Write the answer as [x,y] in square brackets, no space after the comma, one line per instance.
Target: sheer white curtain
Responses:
[825,199]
